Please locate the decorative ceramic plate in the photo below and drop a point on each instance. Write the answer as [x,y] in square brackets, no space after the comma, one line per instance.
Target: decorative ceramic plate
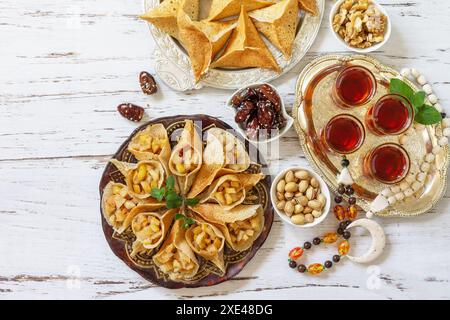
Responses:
[208,274]
[174,68]
[314,107]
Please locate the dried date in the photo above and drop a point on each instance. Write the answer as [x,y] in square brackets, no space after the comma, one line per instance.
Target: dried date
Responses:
[148,83]
[248,94]
[251,127]
[267,93]
[131,111]
[244,111]
[259,108]
[266,114]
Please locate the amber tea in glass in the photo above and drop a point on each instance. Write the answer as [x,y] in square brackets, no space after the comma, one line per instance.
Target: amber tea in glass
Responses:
[354,86]
[343,134]
[387,163]
[392,114]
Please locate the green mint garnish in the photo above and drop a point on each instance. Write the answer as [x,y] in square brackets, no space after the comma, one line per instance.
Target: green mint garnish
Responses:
[173,199]
[187,220]
[424,114]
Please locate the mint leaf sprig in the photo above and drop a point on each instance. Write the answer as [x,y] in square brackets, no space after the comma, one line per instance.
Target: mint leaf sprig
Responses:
[424,113]
[188,221]
[173,199]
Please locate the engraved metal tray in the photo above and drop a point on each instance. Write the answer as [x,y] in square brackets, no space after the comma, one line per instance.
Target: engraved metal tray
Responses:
[312,111]
[208,274]
[174,67]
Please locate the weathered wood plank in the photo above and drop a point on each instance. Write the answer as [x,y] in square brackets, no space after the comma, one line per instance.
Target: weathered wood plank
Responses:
[61,79]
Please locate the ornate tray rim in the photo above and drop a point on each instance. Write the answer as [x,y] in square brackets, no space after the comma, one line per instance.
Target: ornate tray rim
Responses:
[364,204]
[173,65]
[109,233]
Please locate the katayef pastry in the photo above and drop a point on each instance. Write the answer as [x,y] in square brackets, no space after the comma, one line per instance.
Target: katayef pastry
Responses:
[175,257]
[278,24]
[150,229]
[186,158]
[119,206]
[141,177]
[207,241]
[151,143]
[230,190]
[246,48]
[241,225]
[224,154]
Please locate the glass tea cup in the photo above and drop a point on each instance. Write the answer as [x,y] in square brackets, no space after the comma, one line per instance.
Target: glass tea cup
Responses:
[392,114]
[343,134]
[354,86]
[387,163]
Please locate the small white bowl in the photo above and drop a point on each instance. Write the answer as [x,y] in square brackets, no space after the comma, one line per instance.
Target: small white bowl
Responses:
[323,188]
[387,33]
[289,119]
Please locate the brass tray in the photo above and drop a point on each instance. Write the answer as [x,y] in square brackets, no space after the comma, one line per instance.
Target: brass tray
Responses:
[208,274]
[313,107]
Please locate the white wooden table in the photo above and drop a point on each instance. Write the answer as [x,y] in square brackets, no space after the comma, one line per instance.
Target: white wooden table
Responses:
[64,68]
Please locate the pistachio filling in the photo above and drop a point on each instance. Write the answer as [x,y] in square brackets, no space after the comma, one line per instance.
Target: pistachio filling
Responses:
[229,192]
[118,205]
[205,240]
[242,231]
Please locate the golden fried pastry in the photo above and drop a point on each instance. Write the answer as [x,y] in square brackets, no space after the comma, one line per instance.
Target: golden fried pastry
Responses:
[278,23]
[309,6]
[225,8]
[207,241]
[151,143]
[202,40]
[176,258]
[164,16]
[246,48]
[186,158]
[241,225]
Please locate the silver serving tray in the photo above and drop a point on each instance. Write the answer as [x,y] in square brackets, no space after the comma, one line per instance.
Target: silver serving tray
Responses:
[173,66]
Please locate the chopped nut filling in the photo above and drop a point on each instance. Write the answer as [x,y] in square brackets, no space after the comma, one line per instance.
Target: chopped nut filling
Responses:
[205,240]
[146,143]
[242,231]
[147,229]
[229,192]
[118,205]
[175,262]
[145,178]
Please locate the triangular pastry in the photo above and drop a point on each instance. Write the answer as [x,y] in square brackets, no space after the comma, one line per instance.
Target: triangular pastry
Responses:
[225,8]
[246,48]
[278,23]
[164,16]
